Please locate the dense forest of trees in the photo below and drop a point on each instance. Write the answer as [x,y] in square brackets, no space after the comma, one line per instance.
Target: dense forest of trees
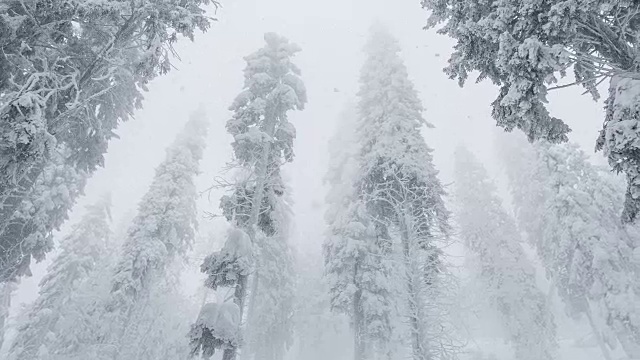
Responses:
[563,230]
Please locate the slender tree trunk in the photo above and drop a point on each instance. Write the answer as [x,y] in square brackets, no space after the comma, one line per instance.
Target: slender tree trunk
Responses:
[261,180]
[596,333]
[251,305]
[358,323]
[6,290]
[238,298]
[413,289]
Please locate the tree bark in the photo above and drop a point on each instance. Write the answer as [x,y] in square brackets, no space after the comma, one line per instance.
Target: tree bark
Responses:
[251,304]
[238,298]
[6,290]
[413,289]
[358,323]
[596,333]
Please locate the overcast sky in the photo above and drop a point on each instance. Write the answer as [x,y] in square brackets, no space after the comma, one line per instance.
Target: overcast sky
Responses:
[331,34]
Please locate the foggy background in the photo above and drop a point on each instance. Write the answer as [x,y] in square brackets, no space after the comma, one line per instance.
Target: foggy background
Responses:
[331,34]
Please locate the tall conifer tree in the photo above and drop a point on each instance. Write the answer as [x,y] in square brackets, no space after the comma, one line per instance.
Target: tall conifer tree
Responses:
[163,228]
[491,236]
[398,187]
[587,251]
[357,268]
[81,255]
[263,141]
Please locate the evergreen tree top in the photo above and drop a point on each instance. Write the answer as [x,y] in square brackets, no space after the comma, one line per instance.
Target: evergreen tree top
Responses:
[391,111]
[272,87]
[166,222]
[82,247]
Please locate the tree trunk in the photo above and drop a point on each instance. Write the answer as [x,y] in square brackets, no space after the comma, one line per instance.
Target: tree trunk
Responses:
[6,290]
[596,333]
[238,298]
[413,290]
[251,306]
[261,180]
[358,323]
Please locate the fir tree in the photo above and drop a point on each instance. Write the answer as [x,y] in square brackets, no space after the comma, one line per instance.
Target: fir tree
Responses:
[585,249]
[163,228]
[357,267]
[155,330]
[81,254]
[525,46]
[396,179]
[263,141]
[491,235]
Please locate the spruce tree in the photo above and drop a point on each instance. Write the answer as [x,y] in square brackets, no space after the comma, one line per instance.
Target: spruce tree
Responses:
[358,269]
[155,330]
[397,182]
[586,250]
[163,228]
[263,141]
[81,254]
[492,237]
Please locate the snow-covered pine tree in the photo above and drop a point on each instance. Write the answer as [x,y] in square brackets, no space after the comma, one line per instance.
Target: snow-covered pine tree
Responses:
[396,179]
[70,72]
[80,322]
[358,268]
[525,46]
[584,247]
[81,253]
[163,228]
[263,141]
[491,236]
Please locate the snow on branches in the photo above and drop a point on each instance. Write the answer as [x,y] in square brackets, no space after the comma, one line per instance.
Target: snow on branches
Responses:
[525,46]
[217,327]
[70,72]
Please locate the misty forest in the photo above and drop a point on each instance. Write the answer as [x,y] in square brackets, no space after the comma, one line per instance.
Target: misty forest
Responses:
[320,180]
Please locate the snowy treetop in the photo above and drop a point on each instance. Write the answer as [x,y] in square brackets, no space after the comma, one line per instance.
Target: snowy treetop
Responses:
[272,87]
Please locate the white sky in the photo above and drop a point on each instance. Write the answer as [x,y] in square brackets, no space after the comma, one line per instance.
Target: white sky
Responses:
[331,34]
